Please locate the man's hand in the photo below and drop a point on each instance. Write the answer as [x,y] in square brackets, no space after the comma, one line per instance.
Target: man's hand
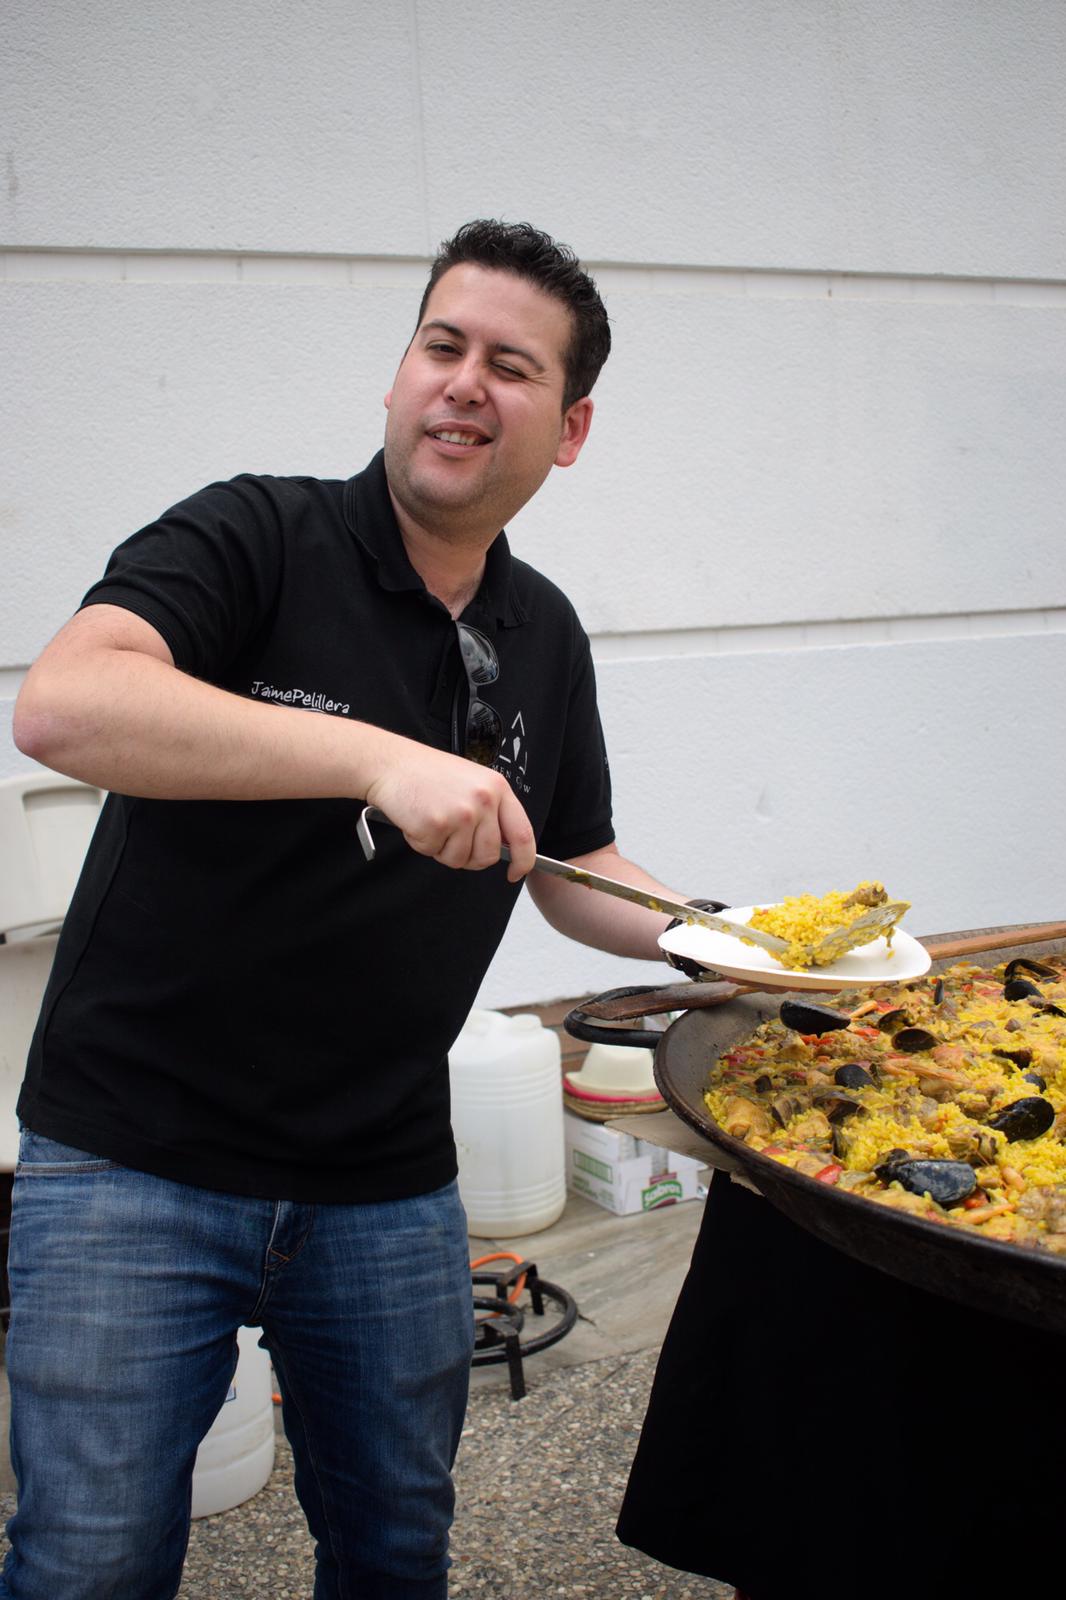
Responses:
[455,811]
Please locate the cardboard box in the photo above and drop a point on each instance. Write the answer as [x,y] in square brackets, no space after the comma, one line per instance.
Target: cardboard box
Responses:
[624,1174]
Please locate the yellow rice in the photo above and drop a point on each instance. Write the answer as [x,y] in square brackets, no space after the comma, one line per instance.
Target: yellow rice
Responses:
[898,1113]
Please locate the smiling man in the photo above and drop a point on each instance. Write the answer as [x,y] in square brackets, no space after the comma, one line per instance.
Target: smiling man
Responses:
[236,1104]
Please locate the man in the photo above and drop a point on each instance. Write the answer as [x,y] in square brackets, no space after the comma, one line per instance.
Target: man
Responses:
[236,1106]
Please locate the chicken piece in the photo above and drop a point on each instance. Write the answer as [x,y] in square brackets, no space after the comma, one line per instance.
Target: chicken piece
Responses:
[742,1117]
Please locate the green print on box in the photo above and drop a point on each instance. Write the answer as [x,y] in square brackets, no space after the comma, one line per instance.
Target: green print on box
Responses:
[661,1194]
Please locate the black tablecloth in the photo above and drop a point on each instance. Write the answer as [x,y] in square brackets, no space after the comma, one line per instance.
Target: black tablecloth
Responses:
[818,1430]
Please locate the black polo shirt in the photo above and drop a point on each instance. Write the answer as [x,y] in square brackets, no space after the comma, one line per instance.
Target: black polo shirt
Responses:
[240,1000]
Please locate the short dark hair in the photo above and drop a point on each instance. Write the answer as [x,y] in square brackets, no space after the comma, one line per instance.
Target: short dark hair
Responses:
[526,251]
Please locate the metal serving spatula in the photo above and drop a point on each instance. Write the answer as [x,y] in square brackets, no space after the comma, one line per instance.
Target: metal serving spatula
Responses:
[593,880]
[834,945]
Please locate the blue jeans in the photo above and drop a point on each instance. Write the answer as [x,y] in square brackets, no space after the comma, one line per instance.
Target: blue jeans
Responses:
[127,1291]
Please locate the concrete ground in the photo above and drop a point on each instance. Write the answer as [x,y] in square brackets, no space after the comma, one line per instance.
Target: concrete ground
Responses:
[539,1481]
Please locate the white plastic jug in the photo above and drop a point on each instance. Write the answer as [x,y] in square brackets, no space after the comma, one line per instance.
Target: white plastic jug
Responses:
[236,1456]
[507,1117]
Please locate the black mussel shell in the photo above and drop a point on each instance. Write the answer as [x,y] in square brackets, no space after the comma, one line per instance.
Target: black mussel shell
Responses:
[889,1021]
[783,1107]
[1021,1057]
[1040,969]
[836,1105]
[764,1083]
[1035,1079]
[914,1039]
[1024,1119]
[807,1018]
[1020,989]
[852,1075]
[949,1182]
[938,991]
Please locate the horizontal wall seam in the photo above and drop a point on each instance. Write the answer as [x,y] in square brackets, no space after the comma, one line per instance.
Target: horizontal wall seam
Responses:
[22,265]
[845,634]
[677,643]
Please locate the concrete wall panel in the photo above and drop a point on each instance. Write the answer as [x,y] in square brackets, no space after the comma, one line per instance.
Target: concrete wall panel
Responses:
[252,125]
[133,395]
[761,460]
[874,136]
[886,135]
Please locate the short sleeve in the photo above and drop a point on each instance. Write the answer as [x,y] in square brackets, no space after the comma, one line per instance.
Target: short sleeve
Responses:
[206,574]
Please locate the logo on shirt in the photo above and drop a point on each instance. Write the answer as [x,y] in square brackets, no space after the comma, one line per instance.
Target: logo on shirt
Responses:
[307,699]
[514,755]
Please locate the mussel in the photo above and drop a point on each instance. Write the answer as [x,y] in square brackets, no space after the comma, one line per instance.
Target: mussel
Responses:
[784,1107]
[853,1075]
[1024,1119]
[947,1182]
[1021,1058]
[1021,989]
[938,991]
[1039,969]
[914,1039]
[1035,1079]
[805,1017]
[836,1104]
[890,1021]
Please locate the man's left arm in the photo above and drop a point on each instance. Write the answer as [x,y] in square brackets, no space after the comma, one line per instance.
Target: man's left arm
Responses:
[600,919]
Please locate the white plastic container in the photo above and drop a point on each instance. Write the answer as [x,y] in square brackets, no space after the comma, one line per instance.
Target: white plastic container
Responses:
[236,1456]
[507,1117]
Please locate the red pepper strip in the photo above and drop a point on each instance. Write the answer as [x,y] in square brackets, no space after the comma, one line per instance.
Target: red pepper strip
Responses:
[868,1033]
[829,1174]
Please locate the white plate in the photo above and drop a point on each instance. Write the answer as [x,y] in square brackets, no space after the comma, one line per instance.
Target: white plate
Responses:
[870,963]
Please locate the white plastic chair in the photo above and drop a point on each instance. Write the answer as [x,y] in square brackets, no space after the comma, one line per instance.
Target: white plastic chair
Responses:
[46,822]
[24,969]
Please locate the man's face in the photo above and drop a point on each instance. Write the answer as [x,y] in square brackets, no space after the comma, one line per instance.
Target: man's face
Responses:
[475,418]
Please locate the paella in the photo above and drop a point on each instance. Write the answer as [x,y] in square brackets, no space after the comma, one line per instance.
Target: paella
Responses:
[818,929]
[944,1097]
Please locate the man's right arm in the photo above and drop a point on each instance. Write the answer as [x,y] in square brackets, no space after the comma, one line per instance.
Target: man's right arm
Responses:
[105,703]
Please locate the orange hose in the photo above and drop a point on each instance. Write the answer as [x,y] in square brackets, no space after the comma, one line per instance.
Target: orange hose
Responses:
[503,1255]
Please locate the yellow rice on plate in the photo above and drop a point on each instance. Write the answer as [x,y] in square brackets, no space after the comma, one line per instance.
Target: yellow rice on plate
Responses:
[805,920]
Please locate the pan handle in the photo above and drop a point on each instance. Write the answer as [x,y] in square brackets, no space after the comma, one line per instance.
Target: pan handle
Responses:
[944,946]
[626,1005]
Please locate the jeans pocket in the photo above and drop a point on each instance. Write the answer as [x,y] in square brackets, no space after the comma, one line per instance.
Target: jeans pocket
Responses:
[41,1158]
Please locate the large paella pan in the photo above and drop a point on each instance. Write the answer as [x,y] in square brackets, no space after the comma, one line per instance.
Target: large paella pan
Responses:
[964,1264]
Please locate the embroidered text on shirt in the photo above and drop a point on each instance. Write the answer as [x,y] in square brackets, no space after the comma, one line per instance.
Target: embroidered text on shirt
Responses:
[307,698]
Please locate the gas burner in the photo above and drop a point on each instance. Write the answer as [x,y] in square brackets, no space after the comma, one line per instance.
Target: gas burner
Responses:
[498,1330]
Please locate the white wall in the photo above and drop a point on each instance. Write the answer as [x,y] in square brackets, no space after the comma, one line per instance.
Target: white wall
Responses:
[817,533]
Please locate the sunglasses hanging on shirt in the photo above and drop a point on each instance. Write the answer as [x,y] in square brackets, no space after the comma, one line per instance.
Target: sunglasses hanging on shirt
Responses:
[483,732]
